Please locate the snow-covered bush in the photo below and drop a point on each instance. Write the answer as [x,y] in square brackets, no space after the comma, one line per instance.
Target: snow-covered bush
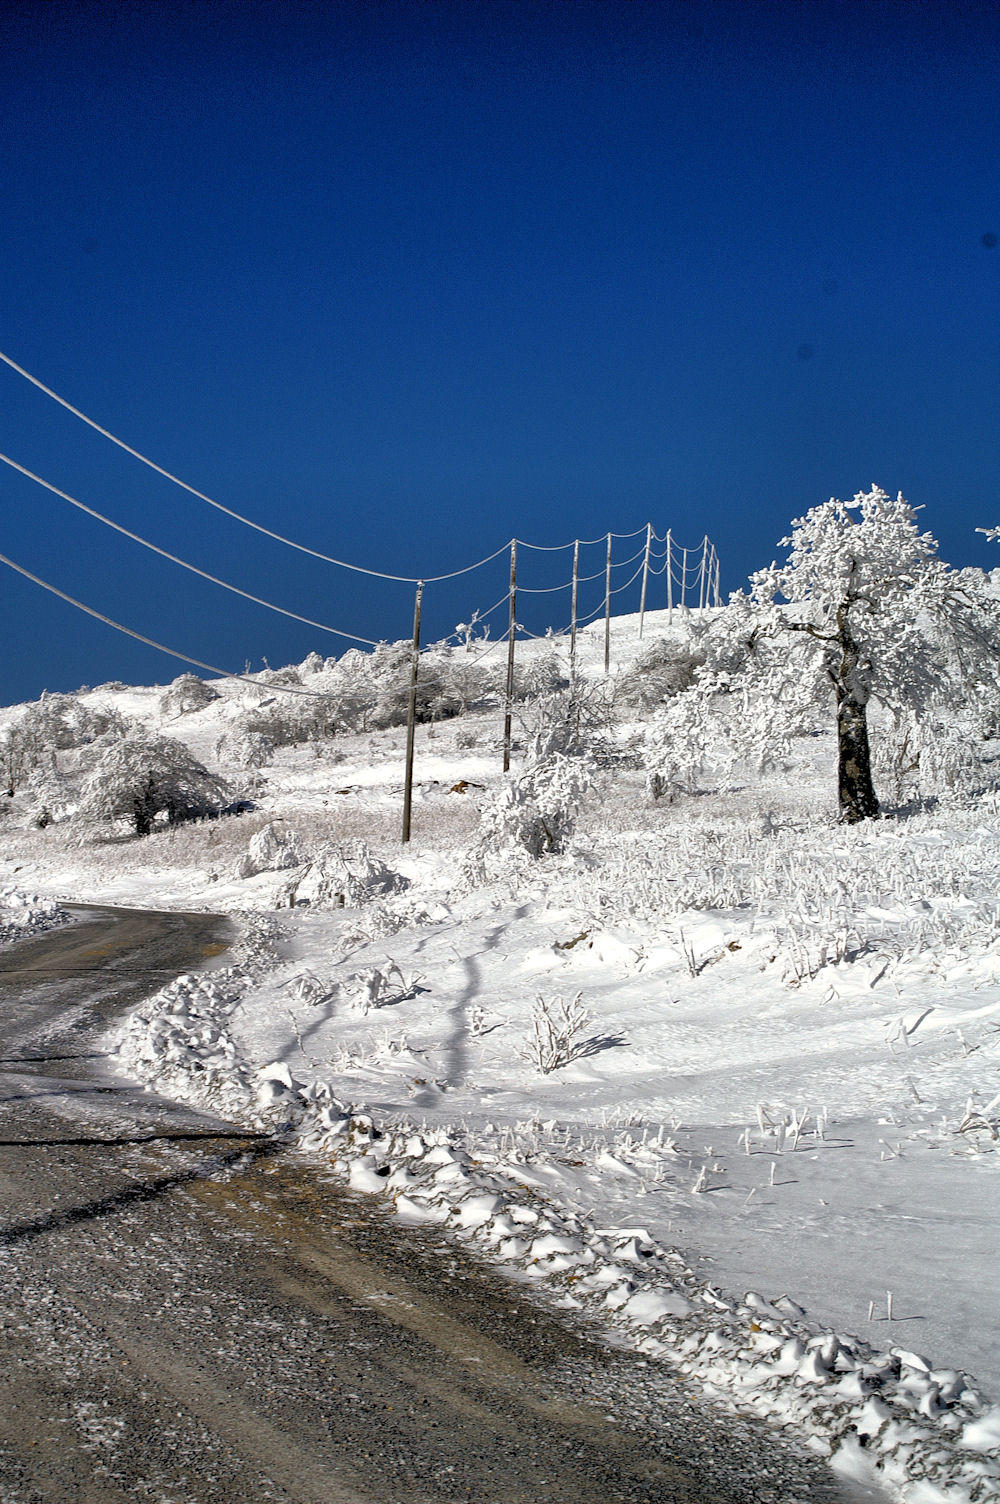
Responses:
[537,808]
[541,675]
[379,986]
[142,776]
[288,675]
[345,876]
[186,694]
[916,758]
[449,684]
[664,668]
[286,721]
[556,1036]
[271,850]
[240,748]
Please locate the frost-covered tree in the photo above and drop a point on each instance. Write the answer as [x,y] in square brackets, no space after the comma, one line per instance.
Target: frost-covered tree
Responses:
[31,744]
[862,610]
[142,776]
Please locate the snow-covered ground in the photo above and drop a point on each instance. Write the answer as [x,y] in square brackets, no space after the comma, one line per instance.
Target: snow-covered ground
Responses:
[779,1075]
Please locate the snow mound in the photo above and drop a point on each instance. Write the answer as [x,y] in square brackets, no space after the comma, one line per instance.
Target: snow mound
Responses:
[23,914]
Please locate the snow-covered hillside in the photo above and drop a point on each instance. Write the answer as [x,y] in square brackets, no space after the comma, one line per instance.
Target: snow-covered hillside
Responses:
[713,1045]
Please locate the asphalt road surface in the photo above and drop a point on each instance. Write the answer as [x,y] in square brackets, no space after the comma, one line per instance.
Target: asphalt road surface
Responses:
[192,1315]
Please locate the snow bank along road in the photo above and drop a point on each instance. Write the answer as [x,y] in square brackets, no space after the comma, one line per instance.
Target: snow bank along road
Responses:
[190,1316]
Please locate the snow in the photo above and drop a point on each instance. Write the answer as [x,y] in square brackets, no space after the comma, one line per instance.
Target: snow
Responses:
[770,1154]
[23,914]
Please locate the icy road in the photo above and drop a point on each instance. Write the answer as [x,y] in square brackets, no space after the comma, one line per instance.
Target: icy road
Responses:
[190,1315]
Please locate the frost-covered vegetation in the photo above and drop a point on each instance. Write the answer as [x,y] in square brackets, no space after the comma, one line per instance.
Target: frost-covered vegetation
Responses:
[655,1018]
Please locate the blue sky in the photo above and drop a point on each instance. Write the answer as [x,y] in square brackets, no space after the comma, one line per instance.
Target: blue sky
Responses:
[401,280]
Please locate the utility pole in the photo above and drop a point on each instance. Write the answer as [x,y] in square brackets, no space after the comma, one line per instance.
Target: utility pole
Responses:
[411,713]
[607,611]
[572,612]
[645,576]
[510,656]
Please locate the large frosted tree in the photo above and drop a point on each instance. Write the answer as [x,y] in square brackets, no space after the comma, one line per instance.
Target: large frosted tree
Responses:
[861,610]
[140,776]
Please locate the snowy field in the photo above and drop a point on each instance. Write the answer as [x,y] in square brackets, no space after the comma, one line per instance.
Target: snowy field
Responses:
[718,1045]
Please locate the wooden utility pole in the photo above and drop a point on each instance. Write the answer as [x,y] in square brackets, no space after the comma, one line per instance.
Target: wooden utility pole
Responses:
[703,576]
[670,578]
[411,713]
[645,575]
[572,613]
[508,710]
[607,611]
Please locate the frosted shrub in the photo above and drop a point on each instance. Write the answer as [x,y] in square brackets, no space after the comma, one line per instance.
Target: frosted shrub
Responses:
[929,758]
[270,850]
[288,722]
[679,747]
[379,986]
[186,694]
[538,676]
[345,876]
[454,684]
[665,668]
[537,809]
[980,1123]
[245,749]
[31,744]
[556,1036]
[288,675]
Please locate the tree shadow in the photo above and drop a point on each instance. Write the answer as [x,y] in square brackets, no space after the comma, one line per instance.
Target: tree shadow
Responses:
[139,1138]
[52,1059]
[134,1195]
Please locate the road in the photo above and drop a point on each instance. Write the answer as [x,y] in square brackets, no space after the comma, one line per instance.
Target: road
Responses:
[191,1315]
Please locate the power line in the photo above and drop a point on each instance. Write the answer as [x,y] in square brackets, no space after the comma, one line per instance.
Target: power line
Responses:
[554,548]
[149,642]
[183,563]
[406,579]
[291,542]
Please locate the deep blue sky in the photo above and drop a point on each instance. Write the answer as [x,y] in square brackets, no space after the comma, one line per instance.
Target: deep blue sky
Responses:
[403,279]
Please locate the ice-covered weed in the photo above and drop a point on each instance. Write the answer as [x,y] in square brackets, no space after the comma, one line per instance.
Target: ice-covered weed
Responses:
[378,986]
[557,1028]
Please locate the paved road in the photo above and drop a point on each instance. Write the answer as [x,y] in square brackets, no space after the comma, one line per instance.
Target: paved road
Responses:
[192,1316]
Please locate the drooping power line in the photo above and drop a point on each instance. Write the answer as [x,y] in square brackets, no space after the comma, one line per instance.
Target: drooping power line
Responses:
[183,563]
[302,548]
[108,621]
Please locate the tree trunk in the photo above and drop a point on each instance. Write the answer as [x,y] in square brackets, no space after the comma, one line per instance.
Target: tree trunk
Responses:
[144,807]
[855,791]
